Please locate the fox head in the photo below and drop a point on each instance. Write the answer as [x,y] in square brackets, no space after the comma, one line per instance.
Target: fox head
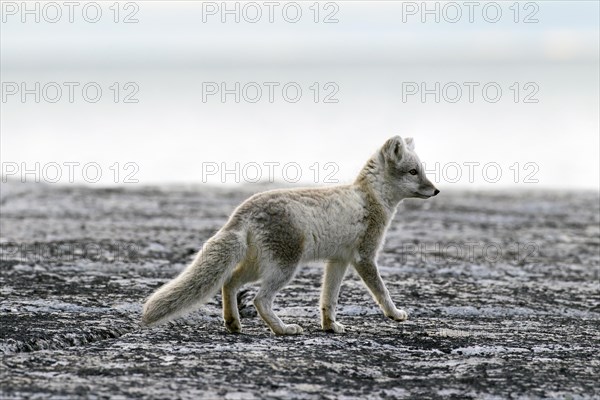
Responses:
[404,171]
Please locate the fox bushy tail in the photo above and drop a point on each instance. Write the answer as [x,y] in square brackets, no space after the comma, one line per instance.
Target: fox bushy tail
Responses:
[199,281]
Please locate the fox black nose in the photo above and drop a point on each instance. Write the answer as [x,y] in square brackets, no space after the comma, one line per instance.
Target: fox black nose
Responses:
[435,192]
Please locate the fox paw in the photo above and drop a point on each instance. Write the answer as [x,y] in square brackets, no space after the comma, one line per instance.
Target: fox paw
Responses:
[291,329]
[398,315]
[233,326]
[334,327]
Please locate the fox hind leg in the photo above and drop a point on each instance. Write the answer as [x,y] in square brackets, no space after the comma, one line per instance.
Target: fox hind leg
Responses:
[272,282]
[245,272]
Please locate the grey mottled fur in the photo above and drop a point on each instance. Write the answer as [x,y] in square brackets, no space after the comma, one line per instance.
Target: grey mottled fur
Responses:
[272,232]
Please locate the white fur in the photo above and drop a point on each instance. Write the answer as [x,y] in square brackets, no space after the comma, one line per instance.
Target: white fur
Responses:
[272,232]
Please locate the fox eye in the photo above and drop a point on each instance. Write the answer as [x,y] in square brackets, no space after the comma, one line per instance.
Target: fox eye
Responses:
[413,171]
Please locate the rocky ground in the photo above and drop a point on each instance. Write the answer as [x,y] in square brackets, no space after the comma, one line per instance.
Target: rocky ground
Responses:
[501,290]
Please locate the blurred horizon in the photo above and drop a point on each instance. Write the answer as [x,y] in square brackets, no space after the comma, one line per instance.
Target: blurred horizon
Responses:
[367,61]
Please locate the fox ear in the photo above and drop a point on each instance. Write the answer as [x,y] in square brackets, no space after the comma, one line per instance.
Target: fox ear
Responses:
[394,148]
[410,143]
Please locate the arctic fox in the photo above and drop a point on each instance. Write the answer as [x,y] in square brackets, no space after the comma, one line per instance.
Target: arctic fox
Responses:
[269,234]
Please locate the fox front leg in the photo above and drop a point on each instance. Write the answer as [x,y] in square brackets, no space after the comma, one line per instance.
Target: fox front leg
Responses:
[332,280]
[369,273]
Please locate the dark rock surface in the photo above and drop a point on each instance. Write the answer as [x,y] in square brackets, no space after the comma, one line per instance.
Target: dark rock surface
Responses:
[501,290]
